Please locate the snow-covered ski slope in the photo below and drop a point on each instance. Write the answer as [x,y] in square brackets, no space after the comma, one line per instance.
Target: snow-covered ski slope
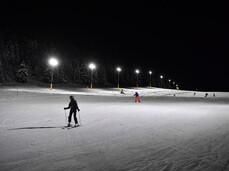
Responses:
[148,91]
[164,132]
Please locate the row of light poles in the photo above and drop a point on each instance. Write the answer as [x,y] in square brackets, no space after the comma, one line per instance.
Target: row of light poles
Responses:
[150,73]
[54,62]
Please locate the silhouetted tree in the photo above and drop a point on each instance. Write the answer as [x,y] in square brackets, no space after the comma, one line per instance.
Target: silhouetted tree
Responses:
[10,59]
[22,73]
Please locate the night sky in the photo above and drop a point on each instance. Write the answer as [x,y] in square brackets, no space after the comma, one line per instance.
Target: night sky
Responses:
[184,41]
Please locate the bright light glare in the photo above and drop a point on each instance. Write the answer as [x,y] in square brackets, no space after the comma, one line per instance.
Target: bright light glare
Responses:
[150,72]
[137,71]
[161,76]
[92,66]
[119,69]
[169,80]
[53,62]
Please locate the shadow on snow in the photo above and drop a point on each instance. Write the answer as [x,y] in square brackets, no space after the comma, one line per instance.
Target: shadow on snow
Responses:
[45,127]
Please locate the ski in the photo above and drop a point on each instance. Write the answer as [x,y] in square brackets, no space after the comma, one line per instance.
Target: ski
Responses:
[64,127]
[70,127]
[73,127]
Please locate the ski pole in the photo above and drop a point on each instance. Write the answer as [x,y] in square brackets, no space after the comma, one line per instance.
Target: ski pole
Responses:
[79,118]
[65,117]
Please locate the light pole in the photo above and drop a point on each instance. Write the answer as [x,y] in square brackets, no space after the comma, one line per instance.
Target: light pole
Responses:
[118,70]
[137,72]
[92,66]
[169,83]
[161,80]
[150,73]
[177,87]
[53,62]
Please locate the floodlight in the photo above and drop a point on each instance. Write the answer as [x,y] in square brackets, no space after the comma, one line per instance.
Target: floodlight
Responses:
[92,66]
[53,62]
[119,69]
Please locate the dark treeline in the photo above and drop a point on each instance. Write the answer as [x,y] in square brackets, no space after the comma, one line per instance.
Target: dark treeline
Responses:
[24,58]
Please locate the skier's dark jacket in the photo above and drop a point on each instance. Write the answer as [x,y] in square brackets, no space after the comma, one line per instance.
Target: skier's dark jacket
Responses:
[72,106]
[136,94]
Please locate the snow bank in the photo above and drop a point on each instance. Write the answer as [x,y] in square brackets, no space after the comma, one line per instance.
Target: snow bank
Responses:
[149,91]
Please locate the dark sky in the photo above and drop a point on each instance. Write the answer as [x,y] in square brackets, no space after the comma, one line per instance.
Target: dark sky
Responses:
[185,41]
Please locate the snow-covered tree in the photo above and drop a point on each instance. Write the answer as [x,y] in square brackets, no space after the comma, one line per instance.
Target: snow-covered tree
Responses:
[11,52]
[47,75]
[102,77]
[10,59]
[22,73]
[1,71]
[84,74]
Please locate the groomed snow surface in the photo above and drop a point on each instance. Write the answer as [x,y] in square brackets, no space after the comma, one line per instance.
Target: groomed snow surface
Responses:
[164,132]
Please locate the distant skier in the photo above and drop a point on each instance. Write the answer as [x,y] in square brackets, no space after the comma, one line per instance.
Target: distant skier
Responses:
[213,94]
[122,92]
[194,94]
[206,94]
[73,106]
[136,97]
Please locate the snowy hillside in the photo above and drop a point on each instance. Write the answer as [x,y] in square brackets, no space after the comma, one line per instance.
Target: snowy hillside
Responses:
[164,132]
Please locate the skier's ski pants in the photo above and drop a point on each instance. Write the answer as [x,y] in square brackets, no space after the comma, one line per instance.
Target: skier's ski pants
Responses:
[137,99]
[70,117]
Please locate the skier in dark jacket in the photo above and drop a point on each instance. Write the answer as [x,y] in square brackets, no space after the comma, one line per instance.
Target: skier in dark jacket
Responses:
[73,106]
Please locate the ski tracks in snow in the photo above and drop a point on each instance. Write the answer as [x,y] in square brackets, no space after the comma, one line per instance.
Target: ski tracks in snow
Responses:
[4,125]
[211,154]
